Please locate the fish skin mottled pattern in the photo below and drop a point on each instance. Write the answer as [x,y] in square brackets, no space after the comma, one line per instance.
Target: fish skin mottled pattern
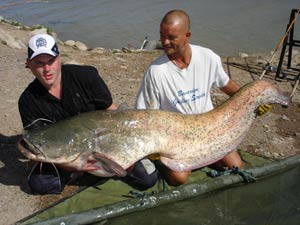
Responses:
[184,142]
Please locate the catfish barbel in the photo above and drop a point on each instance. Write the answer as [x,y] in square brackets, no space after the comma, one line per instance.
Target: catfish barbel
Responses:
[115,140]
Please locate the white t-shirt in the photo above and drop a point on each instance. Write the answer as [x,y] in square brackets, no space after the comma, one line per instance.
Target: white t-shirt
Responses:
[167,87]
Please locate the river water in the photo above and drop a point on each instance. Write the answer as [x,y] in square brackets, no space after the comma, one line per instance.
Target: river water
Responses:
[226,26]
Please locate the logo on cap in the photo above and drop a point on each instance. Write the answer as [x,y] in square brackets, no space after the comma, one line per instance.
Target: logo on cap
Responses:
[41,42]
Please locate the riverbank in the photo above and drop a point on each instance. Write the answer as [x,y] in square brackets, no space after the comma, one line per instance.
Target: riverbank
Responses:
[273,135]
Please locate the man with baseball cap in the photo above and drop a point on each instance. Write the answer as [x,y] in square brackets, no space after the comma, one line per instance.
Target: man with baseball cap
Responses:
[62,91]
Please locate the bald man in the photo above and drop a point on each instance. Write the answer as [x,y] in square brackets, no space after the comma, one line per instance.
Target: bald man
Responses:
[180,80]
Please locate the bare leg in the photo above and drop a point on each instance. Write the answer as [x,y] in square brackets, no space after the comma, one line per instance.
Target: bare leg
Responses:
[233,159]
[175,178]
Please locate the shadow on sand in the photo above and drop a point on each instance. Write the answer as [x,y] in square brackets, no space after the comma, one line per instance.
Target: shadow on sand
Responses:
[12,171]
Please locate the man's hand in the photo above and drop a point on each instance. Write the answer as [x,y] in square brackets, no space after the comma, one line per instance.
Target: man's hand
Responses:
[90,166]
[262,109]
[154,157]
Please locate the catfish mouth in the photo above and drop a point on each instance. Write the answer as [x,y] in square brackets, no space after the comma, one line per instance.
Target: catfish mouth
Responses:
[30,151]
[33,152]
[27,147]
[284,99]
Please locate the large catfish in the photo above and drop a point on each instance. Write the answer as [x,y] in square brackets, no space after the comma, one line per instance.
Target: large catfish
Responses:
[115,140]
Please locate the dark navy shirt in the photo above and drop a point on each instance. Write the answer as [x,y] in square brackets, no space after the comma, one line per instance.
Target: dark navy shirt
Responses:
[83,90]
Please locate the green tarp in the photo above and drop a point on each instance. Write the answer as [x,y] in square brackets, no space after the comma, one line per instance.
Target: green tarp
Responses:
[218,196]
[271,201]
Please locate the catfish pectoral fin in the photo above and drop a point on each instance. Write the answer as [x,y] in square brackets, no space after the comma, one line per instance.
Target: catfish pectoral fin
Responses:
[110,165]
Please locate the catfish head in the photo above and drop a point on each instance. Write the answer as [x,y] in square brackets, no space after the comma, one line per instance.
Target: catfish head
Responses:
[44,146]
[70,146]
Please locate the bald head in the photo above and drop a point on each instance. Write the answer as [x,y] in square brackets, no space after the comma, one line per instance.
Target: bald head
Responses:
[177,17]
[175,35]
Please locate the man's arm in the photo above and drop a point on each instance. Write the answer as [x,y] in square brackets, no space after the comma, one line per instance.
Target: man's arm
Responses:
[96,85]
[230,88]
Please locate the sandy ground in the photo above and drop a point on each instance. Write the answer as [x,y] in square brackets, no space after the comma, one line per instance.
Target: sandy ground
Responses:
[273,135]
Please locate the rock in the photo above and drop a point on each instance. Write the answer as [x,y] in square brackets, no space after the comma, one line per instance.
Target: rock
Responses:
[126,50]
[116,51]
[38,31]
[279,140]
[243,55]
[70,43]
[267,154]
[76,44]
[282,154]
[284,117]
[276,155]
[10,41]
[26,27]
[58,41]
[99,50]
[81,46]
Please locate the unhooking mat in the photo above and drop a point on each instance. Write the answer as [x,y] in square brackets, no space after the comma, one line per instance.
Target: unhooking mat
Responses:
[203,200]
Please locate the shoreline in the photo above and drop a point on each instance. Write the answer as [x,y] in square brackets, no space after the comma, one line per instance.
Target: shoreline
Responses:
[81,45]
[78,44]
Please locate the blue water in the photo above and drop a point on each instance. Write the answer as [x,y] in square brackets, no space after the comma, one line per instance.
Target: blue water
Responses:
[226,26]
